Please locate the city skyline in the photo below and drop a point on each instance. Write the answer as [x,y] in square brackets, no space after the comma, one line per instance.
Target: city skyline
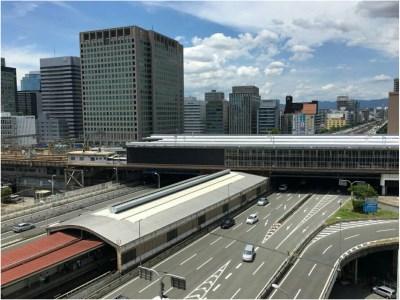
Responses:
[286,54]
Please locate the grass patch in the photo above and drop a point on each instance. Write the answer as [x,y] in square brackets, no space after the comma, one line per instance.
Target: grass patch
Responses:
[346,213]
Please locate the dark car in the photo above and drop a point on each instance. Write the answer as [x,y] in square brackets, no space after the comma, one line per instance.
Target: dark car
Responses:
[227,222]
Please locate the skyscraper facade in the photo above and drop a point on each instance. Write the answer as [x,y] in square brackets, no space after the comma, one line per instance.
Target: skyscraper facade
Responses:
[29,103]
[61,92]
[244,102]
[132,85]
[31,81]
[8,88]
[393,110]
[194,116]
[300,118]
[352,106]
[268,116]
[217,121]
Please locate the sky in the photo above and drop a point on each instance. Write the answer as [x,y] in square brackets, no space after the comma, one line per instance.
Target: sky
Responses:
[311,50]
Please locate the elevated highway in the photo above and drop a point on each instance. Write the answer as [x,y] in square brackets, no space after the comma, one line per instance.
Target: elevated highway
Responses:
[314,273]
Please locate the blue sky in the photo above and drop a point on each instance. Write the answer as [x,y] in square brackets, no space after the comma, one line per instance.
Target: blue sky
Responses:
[312,50]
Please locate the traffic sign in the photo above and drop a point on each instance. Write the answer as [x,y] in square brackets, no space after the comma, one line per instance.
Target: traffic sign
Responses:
[146,273]
[178,282]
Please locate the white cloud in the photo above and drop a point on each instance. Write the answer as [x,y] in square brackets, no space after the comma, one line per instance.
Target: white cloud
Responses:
[275,68]
[367,24]
[25,59]
[328,87]
[381,77]
[248,71]
[301,52]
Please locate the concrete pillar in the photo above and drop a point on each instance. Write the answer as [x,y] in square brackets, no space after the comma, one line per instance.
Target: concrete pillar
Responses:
[356,271]
[383,192]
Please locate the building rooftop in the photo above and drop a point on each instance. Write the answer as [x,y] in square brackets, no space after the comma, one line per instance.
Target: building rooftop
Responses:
[123,227]
[271,141]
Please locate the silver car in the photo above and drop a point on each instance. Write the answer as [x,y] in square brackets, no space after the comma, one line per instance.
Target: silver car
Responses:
[23,227]
[262,201]
[384,291]
[248,253]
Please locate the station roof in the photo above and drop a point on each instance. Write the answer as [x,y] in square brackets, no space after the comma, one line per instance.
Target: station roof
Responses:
[270,141]
[91,153]
[40,254]
[123,228]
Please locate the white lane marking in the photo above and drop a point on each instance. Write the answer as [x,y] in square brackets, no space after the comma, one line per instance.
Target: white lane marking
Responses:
[256,249]
[251,228]
[305,229]
[305,210]
[278,196]
[259,267]
[238,266]
[279,206]
[233,296]
[204,263]
[266,216]
[180,251]
[216,288]
[284,207]
[324,213]
[312,269]
[350,237]
[212,243]
[167,291]
[187,259]
[237,226]
[297,294]
[383,230]
[147,286]
[266,222]
[229,275]
[330,246]
[230,244]
[288,227]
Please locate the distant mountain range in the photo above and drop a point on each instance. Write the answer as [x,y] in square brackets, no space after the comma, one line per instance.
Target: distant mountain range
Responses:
[363,103]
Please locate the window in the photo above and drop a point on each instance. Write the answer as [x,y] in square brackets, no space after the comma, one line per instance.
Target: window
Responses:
[172,234]
[128,256]
[81,158]
[201,220]
[72,157]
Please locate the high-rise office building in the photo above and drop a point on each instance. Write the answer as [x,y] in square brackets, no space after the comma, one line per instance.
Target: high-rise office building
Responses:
[268,116]
[51,130]
[132,85]
[216,113]
[31,81]
[244,102]
[344,103]
[61,92]
[29,103]
[194,116]
[300,118]
[393,110]
[8,88]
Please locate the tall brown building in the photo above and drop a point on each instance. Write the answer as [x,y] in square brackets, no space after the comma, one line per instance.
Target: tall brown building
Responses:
[393,116]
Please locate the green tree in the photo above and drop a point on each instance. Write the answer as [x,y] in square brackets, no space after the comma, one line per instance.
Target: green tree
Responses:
[275,131]
[5,193]
[360,192]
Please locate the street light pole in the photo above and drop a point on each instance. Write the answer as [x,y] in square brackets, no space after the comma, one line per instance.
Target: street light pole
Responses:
[340,238]
[116,174]
[52,184]
[140,255]
[158,179]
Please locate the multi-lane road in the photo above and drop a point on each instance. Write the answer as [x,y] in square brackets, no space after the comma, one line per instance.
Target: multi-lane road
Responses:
[309,276]
[10,239]
[212,265]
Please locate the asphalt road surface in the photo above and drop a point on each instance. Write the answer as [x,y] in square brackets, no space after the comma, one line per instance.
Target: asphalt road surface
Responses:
[213,266]
[310,273]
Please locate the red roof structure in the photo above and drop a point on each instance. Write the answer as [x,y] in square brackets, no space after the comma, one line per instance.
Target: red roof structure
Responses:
[42,253]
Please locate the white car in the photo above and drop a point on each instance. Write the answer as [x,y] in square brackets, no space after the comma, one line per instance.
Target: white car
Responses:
[384,291]
[262,201]
[252,219]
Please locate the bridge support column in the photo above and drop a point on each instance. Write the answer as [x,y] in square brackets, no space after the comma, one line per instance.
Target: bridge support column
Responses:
[383,190]
[356,271]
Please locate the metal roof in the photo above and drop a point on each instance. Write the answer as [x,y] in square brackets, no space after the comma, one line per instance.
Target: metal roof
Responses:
[271,141]
[123,228]
[43,253]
